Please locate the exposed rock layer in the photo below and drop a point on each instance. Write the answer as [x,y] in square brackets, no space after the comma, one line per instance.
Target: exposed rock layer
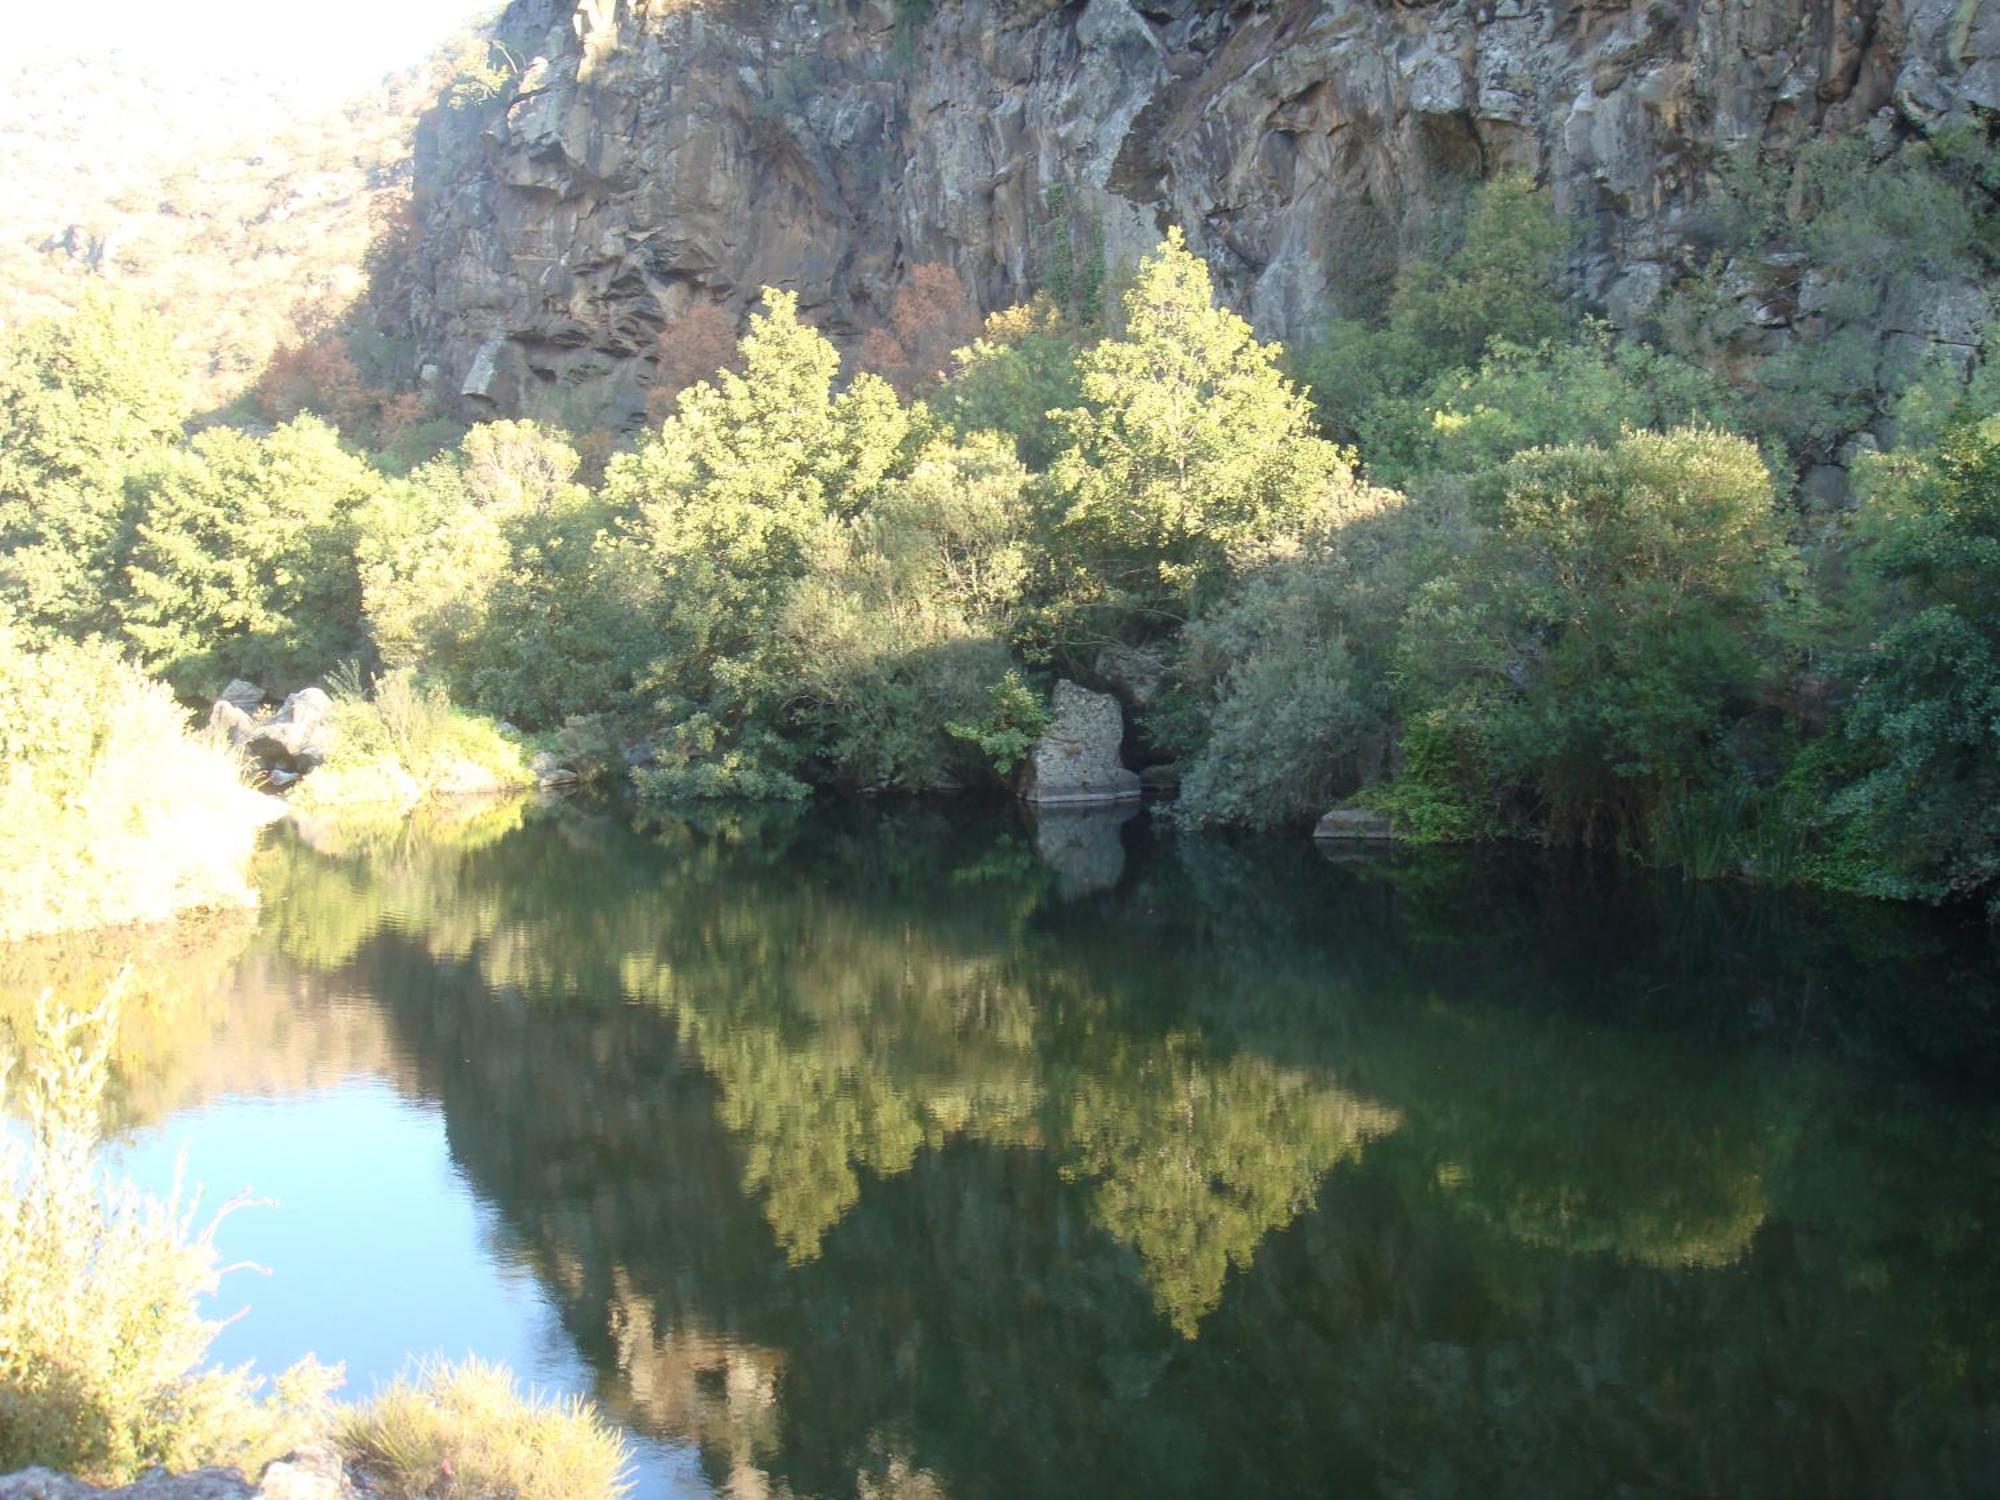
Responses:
[650,153]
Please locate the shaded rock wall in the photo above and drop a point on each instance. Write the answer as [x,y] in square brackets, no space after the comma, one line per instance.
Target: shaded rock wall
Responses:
[649,153]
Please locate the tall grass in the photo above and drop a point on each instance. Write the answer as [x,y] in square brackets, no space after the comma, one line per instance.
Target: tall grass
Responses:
[111,811]
[467,1427]
[403,740]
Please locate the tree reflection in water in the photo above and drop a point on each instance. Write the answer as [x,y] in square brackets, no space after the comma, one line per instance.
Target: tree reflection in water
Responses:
[873,1155]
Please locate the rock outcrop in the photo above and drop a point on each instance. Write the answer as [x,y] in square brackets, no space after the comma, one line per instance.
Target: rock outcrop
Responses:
[311,1474]
[1076,760]
[286,744]
[654,154]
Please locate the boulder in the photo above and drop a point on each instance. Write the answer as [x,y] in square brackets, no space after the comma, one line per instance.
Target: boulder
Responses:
[244,695]
[299,736]
[310,1474]
[1077,758]
[230,723]
[550,772]
[1354,825]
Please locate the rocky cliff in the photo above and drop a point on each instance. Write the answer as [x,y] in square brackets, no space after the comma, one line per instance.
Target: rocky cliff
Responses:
[645,154]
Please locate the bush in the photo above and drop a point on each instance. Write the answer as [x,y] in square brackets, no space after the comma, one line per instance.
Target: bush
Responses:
[1591,651]
[110,810]
[1926,709]
[100,1285]
[405,741]
[1190,449]
[467,1428]
[242,564]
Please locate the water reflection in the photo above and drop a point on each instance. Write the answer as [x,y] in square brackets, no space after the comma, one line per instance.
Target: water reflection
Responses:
[874,1153]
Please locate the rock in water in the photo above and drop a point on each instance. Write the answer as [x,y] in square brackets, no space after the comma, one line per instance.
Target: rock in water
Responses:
[1077,758]
[1353,825]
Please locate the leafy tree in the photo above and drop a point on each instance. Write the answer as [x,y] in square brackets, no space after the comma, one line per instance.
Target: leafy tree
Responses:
[1190,450]
[82,400]
[242,564]
[1586,656]
[727,506]
[1926,712]
[1015,378]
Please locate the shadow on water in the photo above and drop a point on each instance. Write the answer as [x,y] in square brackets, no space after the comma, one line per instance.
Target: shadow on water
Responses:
[930,1150]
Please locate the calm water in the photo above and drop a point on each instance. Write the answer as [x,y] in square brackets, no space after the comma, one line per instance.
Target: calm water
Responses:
[929,1153]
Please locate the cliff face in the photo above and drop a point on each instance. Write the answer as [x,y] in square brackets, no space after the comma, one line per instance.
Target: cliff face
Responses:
[650,153]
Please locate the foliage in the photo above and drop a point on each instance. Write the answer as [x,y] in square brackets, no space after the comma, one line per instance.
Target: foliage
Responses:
[1589,651]
[899,626]
[101,1338]
[403,741]
[725,508]
[242,559]
[467,1426]
[110,810]
[1290,674]
[1190,449]
[1589,389]
[930,317]
[483,571]
[1016,378]
[82,400]
[1500,287]
[1926,709]
[1007,731]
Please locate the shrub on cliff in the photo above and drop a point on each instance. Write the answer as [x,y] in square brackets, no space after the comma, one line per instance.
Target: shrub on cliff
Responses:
[110,810]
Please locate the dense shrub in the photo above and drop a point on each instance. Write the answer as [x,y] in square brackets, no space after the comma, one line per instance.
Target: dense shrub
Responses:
[110,810]
[468,1427]
[1588,654]
[82,399]
[1925,718]
[242,562]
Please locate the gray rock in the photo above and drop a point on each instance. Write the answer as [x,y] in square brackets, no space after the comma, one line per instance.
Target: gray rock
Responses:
[245,695]
[315,1473]
[229,723]
[299,736]
[1077,758]
[550,771]
[1353,825]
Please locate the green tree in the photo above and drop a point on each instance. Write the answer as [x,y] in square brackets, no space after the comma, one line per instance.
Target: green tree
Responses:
[1502,285]
[242,563]
[82,399]
[1586,657]
[1191,450]
[1925,715]
[726,506]
[1015,378]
